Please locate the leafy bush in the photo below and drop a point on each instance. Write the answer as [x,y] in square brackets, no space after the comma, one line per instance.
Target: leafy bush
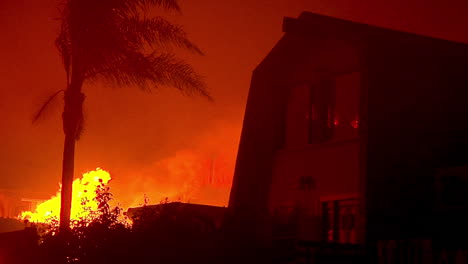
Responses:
[94,238]
[166,235]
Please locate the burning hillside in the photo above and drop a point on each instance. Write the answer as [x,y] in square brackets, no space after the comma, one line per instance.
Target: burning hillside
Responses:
[84,192]
[200,172]
[185,177]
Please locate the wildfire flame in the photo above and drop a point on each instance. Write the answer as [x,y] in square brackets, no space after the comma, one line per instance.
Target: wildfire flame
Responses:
[84,189]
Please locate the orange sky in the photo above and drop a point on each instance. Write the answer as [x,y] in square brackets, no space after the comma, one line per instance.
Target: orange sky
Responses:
[135,134]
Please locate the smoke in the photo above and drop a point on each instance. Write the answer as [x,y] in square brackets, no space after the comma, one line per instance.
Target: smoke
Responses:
[160,143]
[199,174]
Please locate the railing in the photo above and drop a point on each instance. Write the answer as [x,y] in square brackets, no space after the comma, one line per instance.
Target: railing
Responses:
[419,251]
[290,250]
[320,252]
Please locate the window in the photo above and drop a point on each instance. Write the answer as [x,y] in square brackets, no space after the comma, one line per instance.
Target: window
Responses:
[334,108]
[339,221]
[296,116]
[323,110]
[346,119]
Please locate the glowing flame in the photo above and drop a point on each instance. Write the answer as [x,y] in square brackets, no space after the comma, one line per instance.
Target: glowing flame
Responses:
[84,189]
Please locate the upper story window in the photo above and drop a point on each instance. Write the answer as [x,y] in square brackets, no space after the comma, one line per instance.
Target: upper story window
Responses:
[323,110]
[346,119]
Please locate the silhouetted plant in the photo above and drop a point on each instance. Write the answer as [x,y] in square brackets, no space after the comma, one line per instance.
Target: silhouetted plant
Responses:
[115,41]
[93,238]
[180,235]
[161,234]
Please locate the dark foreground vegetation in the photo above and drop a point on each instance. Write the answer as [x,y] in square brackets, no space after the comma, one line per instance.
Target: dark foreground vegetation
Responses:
[157,236]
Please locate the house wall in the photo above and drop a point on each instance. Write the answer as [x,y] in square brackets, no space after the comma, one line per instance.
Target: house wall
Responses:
[296,59]
[417,110]
[248,219]
[333,166]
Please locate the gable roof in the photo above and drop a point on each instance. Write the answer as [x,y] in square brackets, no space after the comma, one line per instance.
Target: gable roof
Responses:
[315,25]
[308,22]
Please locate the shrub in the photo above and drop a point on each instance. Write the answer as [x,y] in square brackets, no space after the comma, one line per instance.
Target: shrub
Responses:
[167,235]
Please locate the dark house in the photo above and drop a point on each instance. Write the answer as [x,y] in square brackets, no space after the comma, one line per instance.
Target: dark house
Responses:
[207,215]
[19,247]
[355,134]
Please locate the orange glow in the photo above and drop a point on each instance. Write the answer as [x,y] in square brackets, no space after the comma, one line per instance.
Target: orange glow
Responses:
[336,123]
[355,123]
[84,190]
[187,176]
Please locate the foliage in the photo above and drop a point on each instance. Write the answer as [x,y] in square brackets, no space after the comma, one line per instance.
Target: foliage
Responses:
[92,238]
[116,41]
[165,235]
[179,236]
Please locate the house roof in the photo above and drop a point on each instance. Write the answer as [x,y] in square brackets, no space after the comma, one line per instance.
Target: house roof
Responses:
[187,207]
[316,26]
[316,23]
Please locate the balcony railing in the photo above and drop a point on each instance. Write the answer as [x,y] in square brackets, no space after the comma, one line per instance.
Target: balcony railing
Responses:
[289,250]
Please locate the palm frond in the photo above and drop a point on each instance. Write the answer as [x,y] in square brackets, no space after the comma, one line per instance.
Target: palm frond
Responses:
[88,8]
[151,71]
[111,39]
[156,32]
[63,44]
[167,4]
[44,106]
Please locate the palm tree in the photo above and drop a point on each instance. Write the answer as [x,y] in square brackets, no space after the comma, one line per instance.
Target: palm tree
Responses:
[115,41]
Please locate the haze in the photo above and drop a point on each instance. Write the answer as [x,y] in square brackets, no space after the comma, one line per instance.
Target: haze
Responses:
[161,142]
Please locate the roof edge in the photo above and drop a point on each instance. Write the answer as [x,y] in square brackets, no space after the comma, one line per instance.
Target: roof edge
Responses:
[308,20]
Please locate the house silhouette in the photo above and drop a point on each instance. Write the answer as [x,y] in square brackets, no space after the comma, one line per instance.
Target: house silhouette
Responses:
[356,134]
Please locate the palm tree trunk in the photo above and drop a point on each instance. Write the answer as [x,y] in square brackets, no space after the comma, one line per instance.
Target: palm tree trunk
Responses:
[67,181]
[72,117]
